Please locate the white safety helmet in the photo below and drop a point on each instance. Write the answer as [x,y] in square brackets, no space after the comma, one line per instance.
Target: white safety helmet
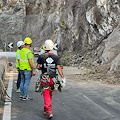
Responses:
[48,45]
[20,43]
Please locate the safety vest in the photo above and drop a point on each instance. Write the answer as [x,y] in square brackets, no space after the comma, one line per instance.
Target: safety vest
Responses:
[17,64]
[24,64]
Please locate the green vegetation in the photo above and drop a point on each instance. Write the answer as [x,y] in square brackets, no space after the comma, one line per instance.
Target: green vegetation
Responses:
[63,24]
[94,71]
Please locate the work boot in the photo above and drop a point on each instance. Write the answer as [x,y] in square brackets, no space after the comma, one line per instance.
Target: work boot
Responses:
[21,97]
[18,90]
[27,98]
[50,115]
[45,113]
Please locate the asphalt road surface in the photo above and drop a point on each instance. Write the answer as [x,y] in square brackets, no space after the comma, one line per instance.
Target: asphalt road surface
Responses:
[77,101]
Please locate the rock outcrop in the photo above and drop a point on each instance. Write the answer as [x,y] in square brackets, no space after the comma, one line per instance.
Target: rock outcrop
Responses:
[86,31]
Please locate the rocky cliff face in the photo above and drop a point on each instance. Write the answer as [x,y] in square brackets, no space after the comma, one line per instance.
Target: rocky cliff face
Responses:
[87,31]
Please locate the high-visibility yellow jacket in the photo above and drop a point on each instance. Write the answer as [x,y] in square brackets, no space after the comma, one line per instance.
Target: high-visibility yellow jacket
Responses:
[24,64]
[17,64]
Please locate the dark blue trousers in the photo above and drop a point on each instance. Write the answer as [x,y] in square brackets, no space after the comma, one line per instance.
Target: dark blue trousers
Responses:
[19,79]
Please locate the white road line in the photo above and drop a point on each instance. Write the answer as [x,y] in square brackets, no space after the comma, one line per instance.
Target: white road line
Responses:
[99,106]
[7,105]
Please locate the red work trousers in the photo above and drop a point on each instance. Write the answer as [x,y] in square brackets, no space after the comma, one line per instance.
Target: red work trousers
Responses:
[47,95]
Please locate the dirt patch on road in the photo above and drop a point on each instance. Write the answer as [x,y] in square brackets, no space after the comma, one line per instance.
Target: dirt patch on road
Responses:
[100,74]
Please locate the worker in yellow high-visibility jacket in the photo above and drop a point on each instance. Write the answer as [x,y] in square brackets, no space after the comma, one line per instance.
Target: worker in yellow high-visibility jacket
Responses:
[20,45]
[26,68]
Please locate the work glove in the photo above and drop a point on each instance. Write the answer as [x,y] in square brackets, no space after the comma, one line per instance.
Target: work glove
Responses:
[36,70]
[63,82]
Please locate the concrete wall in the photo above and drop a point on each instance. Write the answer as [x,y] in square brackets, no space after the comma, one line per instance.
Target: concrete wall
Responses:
[3,68]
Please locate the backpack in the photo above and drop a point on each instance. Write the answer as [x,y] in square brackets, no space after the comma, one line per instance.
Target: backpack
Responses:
[51,72]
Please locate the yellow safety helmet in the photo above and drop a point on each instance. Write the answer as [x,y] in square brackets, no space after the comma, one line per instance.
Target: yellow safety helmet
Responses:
[28,40]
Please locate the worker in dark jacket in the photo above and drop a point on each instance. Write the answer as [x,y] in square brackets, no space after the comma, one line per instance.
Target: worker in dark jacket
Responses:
[48,62]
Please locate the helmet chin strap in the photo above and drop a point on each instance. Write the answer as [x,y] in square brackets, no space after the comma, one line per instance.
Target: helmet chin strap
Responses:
[28,44]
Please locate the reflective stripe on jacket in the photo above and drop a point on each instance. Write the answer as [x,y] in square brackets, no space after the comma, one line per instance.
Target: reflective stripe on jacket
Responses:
[24,64]
[17,64]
